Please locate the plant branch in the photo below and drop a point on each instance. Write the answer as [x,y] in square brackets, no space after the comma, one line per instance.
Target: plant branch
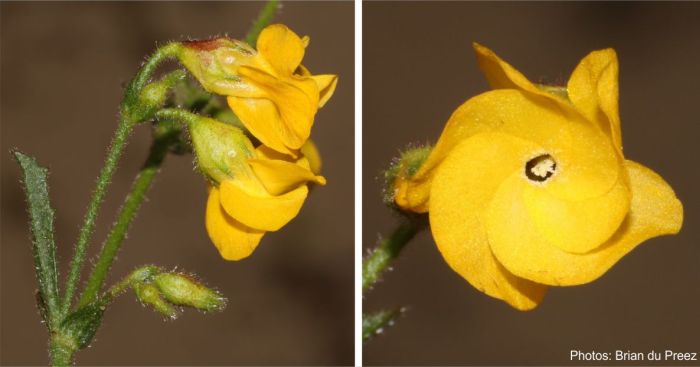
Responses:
[375,323]
[124,129]
[378,260]
[178,115]
[142,182]
[264,18]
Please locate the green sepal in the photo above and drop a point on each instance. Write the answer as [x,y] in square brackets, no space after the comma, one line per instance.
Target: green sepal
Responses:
[405,166]
[41,215]
[221,149]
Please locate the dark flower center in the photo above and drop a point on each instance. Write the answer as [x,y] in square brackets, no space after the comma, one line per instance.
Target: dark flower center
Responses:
[540,168]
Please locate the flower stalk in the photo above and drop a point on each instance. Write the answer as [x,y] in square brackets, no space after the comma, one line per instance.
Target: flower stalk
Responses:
[142,183]
[73,328]
[264,18]
[389,249]
[127,120]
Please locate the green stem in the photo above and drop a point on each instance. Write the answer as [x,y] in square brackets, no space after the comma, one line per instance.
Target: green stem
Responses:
[168,51]
[375,323]
[142,182]
[264,18]
[119,141]
[177,114]
[126,125]
[139,275]
[388,249]
[64,343]
[61,350]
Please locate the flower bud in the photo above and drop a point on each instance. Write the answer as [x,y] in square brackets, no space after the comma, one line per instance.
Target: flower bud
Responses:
[221,149]
[183,290]
[214,62]
[145,274]
[150,295]
[140,105]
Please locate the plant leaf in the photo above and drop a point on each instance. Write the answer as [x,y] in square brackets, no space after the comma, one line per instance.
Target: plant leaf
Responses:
[41,217]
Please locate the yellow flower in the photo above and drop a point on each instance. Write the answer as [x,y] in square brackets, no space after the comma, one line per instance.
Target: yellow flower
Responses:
[274,96]
[253,190]
[527,186]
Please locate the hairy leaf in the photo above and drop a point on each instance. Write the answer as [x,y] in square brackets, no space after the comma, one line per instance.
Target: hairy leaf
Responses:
[41,217]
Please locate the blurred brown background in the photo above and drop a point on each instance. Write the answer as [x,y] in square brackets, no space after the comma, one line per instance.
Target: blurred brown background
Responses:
[63,65]
[419,66]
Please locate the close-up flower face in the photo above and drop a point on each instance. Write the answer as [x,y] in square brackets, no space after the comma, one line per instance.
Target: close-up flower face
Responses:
[528,186]
[530,157]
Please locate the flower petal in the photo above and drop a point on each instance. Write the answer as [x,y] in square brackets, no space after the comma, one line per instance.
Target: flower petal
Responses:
[592,168]
[234,240]
[577,226]
[654,211]
[296,101]
[310,151]
[500,74]
[593,89]
[326,85]
[281,47]
[460,194]
[259,211]
[280,177]
[261,117]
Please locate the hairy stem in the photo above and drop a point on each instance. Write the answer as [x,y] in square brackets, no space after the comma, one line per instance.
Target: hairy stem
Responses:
[61,350]
[379,259]
[142,182]
[374,324]
[264,18]
[178,115]
[121,136]
[115,151]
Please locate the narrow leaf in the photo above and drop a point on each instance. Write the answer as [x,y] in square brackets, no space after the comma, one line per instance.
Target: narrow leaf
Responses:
[41,217]
[375,323]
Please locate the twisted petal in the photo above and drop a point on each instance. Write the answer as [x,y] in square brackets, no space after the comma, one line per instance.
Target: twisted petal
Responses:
[310,151]
[580,150]
[261,210]
[233,239]
[282,48]
[502,75]
[576,226]
[593,89]
[654,211]
[294,101]
[261,117]
[461,192]
[326,85]
[280,177]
